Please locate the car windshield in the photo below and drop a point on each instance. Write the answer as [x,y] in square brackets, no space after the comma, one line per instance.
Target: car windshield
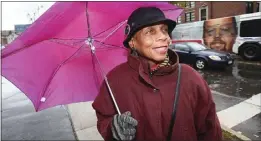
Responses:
[197,46]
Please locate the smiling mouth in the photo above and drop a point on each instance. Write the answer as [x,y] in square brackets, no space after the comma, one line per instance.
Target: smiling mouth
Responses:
[218,46]
[161,50]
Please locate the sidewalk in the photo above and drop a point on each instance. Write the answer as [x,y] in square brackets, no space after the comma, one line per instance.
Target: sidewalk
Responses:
[21,122]
[84,122]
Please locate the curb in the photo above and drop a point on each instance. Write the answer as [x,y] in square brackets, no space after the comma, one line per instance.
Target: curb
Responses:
[249,63]
[242,61]
[70,119]
[239,136]
[229,130]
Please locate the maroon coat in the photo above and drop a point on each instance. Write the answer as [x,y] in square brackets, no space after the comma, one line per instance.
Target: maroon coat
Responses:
[150,100]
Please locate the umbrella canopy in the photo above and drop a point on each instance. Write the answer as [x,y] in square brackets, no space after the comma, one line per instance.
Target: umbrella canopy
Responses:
[63,56]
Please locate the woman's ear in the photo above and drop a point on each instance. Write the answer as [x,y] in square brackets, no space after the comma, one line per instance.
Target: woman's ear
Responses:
[131,43]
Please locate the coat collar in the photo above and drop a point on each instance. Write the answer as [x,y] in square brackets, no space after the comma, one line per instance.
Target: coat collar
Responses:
[141,65]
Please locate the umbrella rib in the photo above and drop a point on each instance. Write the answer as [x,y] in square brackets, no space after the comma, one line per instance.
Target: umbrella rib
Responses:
[108,29]
[88,21]
[119,26]
[26,47]
[13,52]
[56,70]
[68,39]
[69,45]
[114,46]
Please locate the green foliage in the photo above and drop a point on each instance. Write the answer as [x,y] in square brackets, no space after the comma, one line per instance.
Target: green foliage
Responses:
[179,3]
[229,137]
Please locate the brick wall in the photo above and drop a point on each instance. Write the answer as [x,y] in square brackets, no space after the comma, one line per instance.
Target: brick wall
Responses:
[226,9]
[201,5]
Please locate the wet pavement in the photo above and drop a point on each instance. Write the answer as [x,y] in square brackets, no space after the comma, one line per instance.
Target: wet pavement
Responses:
[232,87]
[21,122]
[240,80]
[251,128]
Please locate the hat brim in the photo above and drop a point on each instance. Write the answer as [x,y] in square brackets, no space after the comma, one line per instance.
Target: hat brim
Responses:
[170,23]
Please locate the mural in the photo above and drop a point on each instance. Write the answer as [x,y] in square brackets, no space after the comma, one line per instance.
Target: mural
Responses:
[224,34]
[220,34]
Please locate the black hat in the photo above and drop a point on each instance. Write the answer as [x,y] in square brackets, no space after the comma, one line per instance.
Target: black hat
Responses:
[145,16]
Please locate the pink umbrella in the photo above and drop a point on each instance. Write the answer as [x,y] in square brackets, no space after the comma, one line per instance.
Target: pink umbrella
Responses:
[64,56]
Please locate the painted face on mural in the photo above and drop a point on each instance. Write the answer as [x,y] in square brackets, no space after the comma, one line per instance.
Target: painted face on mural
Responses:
[220,34]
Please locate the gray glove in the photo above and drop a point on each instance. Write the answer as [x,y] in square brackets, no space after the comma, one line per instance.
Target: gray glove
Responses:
[123,126]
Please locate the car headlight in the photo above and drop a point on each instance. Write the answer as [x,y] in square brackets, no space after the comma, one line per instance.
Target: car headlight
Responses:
[214,57]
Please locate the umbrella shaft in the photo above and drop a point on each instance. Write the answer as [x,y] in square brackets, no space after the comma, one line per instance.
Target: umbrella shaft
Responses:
[107,83]
[112,96]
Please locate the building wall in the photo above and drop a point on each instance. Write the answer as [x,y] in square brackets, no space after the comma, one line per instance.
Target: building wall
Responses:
[7,36]
[3,41]
[228,8]
[198,5]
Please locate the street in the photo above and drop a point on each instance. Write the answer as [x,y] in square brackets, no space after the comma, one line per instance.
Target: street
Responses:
[236,92]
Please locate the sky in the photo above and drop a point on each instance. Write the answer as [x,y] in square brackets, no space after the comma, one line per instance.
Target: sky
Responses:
[17,12]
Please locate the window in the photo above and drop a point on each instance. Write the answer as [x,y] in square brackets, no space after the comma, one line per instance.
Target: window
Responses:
[182,47]
[189,16]
[258,7]
[249,7]
[203,14]
[250,28]
[179,19]
[187,4]
[190,4]
[196,46]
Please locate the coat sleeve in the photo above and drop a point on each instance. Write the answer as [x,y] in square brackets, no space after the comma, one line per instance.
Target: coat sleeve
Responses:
[206,120]
[105,111]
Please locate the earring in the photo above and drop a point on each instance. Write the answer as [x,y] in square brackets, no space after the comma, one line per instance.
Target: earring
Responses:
[170,43]
[134,52]
[133,49]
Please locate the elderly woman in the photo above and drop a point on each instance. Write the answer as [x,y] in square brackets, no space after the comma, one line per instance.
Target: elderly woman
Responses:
[145,88]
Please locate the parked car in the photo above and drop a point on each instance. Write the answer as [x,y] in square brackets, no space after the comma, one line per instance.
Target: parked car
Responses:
[200,56]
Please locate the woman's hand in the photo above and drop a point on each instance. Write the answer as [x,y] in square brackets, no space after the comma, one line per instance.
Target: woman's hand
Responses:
[123,126]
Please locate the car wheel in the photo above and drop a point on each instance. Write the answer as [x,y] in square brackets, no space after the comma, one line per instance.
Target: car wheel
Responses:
[200,64]
[250,52]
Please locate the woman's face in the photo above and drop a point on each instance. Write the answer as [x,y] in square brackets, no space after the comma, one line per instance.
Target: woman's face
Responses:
[152,42]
